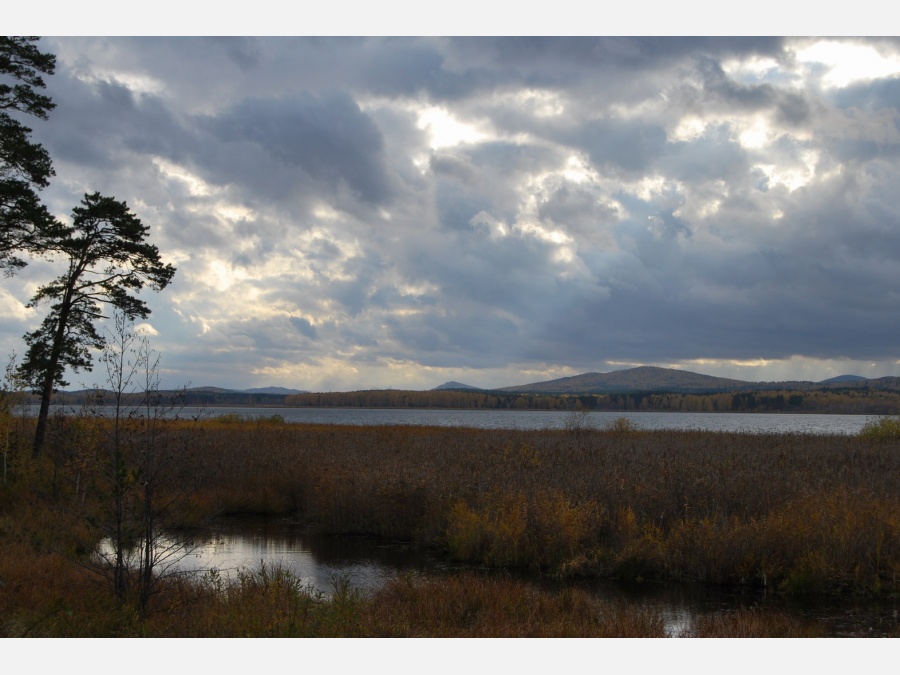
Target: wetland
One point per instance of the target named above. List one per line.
(402, 530)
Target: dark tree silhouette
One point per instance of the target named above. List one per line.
(108, 260)
(25, 167)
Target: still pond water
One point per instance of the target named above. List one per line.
(366, 563)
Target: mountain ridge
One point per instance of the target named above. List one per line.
(641, 379)
(453, 384)
(654, 379)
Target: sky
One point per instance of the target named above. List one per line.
(358, 213)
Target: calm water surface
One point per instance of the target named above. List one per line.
(316, 559)
(368, 562)
(541, 419)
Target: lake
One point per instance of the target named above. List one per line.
(542, 419)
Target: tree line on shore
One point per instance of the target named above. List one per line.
(861, 401)
(849, 401)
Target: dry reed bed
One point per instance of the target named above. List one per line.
(799, 512)
(806, 513)
(270, 602)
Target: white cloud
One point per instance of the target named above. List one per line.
(145, 328)
(493, 212)
(848, 62)
(445, 130)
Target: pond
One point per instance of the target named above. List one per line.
(368, 562)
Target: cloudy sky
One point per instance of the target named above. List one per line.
(372, 213)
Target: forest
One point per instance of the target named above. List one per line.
(848, 401)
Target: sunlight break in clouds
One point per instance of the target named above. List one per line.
(195, 184)
(445, 130)
(374, 212)
(849, 62)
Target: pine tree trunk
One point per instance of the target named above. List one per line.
(41, 431)
(47, 391)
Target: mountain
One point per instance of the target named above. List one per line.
(272, 390)
(260, 390)
(640, 379)
(840, 379)
(454, 385)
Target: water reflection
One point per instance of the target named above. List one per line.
(368, 562)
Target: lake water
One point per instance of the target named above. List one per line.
(541, 419)
(366, 563)
(546, 419)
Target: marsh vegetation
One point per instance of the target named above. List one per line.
(799, 514)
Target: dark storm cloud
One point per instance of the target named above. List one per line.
(720, 86)
(871, 96)
(506, 159)
(457, 207)
(102, 119)
(811, 285)
(245, 52)
(573, 204)
(632, 146)
(412, 68)
(790, 108)
(554, 57)
(483, 179)
(714, 156)
(326, 136)
(489, 204)
(464, 339)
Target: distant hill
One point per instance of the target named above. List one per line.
(881, 383)
(651, 379)
(454, 385)
(841, 379)
(640, 379)
(272, 390)
(282, 391)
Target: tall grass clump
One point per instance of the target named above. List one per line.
(543, 530)
(622, 425)
(753, 623)
(472, 605)
(881, 429)
(266, 601)
(237, 418)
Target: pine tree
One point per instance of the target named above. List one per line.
(108, 259)
(25, 167)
